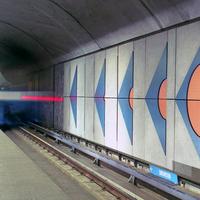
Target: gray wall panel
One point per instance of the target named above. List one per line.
(182, 45)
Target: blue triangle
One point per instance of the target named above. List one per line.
(99, 97)
(152, 98)
(100, 90)
(73, 97)
(159, 75)
(182, 102)
(100, 104)
(127, 85)
(74, 85)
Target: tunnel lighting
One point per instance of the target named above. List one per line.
(42, 98)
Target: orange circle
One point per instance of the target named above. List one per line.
(131, 95)
(193, 103)
(162, 102)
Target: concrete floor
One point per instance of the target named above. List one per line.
(32, 178)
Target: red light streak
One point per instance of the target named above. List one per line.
(42, 98)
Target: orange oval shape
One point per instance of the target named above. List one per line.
(131, 95)
(162, 102)
(193, 100)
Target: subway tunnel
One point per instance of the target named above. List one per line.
(122, 77)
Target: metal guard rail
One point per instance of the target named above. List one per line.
(161, 185)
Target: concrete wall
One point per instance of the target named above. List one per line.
(44, 81)
(141, 98)
(58, 91)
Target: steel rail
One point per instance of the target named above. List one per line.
(163, 186)
(92, 175)
(96, 145)
(126, 158)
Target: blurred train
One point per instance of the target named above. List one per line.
(16, 107)
(12, 112)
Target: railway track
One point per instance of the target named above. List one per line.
(72, 166)
(104, 183)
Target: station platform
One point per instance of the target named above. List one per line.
(22, 179)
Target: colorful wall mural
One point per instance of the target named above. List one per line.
(141, 98)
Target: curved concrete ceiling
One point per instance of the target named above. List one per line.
(48, 31)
